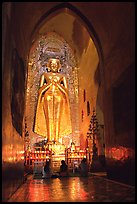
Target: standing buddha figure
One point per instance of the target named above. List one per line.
(52, 119)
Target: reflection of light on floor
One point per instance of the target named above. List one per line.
(45, 191)
(58, 193)
(38, 192)
(83, 194)
(73, 189)
(77, 190)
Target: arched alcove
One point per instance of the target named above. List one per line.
(51, 45)
(85, 59)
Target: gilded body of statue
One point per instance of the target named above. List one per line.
(52, 118)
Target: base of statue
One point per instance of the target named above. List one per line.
(56, 147)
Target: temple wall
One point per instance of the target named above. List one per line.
(13, 86)
(115, 30)
(88, 65)
(119, 115)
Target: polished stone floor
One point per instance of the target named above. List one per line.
(73, 189)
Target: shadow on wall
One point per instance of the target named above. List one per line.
(17, 91)
(122, 171)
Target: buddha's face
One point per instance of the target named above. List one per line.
(54, 65)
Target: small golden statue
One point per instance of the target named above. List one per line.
(52, 118)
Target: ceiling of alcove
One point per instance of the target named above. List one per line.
(71, 29)
(77, 37)
(58, 24)
(102, 16)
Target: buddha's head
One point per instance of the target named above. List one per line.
(54, 65)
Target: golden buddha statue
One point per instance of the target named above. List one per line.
(52, 118)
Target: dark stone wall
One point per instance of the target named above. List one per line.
(123, 94)
(17, 91)
(121, 171)
(119, 114)
(121, 155)
(13, 100)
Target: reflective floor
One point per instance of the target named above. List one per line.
(73, 189)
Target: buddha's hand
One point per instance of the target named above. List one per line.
(54, 81)
(44, 88)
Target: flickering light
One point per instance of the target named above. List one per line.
(120, 153)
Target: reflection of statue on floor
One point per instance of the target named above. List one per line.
(52, 118)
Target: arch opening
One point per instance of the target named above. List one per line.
(81, 65)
